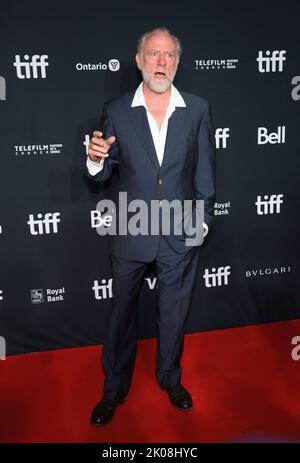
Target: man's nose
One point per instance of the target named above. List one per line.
(161, 59)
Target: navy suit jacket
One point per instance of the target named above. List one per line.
(187, 170)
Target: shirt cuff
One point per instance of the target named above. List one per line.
(94, 167)
(205, 229)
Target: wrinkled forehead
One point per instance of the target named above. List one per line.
(160, 41)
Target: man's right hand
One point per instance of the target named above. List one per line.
(98, 147)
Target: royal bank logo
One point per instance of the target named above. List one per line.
(39, 296)
(31, 68)
(44, 224)
(296, 90)
(221, 136)
(267, 271)
(216, 276)
(222, 208)
(34, 150)
(264, 137)
(2, 89)
(271, 61)
(216, 64)
(269, 205)
(112, 65)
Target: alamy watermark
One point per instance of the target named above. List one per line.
(2, 88)
(137, 217)
(2, 348)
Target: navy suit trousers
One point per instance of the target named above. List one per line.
(176, 274)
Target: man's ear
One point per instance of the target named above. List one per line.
(138, 60)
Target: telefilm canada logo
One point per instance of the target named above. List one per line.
(112, 65)
(39, 296)
(216, 64)
(40, 149)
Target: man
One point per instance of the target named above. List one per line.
(162, 143)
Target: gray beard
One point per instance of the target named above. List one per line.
(156, 87)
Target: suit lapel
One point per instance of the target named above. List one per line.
(140, 123)
(175, 132)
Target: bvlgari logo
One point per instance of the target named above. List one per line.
(268, 271)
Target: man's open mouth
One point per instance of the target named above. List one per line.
(160, 74)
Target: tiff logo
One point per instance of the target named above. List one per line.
(46, 225)
(296, 89)
(31, 68)
(270, 63)
(103, 291)
(273, 137)
(221, 135)
(267, 205)
(2, 348)
(217, 277)
(2, 88)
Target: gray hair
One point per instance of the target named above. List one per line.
(146, 35)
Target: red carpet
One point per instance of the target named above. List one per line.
(244, 383)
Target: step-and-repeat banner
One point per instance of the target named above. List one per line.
(59, 63)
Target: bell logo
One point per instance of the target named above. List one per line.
(274, 137)
(97, 220)
(114, 65)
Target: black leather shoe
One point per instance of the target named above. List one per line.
(180, 397)
(104, 411)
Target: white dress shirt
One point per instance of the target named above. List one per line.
(159, 136)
